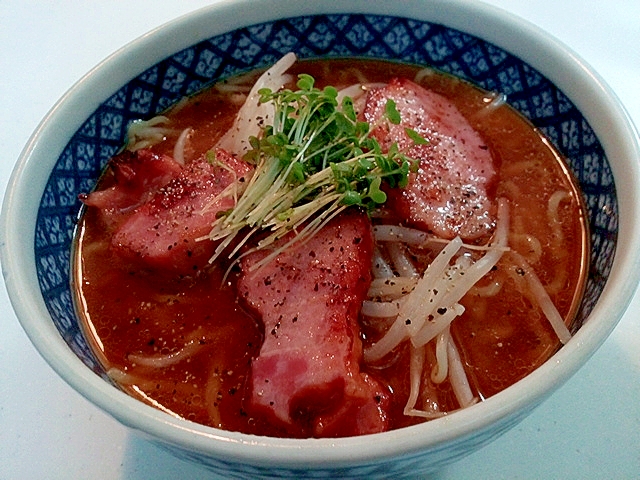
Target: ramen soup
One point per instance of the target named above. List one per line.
(320, 262)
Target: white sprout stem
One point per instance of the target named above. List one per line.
(416, 365)
(406, 235)
(145, 133)
(393, 287)
(421, 302)
(484, 265)
(162, 361)
(303, 236)
(381, 268)
(396, 334)
(354, 92)
(401, 260)
(262, 205)
(228, 191)
(242, 242)
(259, 201)
(543, 299)
(469, 277)
(235, 140)
(226, 241)
(441, 320)
(300, 214)
(380, 309)
(178, 149)
(261, 180)
(233, 190)
(425, 299)
(458, 377)
(357, 90)
(331, 202)
(419, 307)
(121, 377)
(440, 370)
(489, 290)
(413, 412)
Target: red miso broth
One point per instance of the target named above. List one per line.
(185, 343)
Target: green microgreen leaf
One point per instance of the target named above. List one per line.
(348, 108)
(416, 137)
(315, 159)
(305, 82)
(391, 112)
(210, 155)
(377, 195)
(352, 198)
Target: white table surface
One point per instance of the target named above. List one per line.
(590, 428)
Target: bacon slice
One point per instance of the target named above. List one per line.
(307, 376)
(137, 176)
(163, 233)
(449, 194)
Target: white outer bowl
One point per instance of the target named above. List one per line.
(420, 448)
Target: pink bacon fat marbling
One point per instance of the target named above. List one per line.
(163, 232)
(449, 195)
(137, 176)
(307, 375)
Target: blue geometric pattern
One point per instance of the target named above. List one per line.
(366, 36)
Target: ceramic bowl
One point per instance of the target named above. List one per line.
(541, 78)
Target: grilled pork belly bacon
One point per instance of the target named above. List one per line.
(307, 375)
(451, 193)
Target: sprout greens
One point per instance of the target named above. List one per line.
(316, 159)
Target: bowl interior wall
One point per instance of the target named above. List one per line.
(382, 37)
